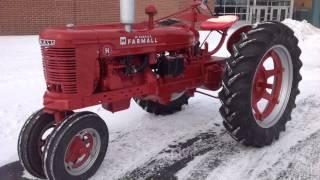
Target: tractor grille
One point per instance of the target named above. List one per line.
(59, 66)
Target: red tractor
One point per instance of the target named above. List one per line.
(160, 64)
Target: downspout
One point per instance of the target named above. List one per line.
(291, 9)
(248, 19)
(254, 15)
(316, 12)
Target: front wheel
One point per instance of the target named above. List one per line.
(76, 148)
(32, 139)
(260, 84)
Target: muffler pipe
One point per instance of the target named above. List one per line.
(127, 13)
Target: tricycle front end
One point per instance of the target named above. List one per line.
(159, 64)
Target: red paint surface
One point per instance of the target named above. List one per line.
(85, 66)
(261, 85)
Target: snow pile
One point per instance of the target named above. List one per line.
(309, 41)
(302, 29)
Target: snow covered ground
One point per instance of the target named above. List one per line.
(191, 144)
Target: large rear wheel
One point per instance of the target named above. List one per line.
(177, 101)
(260, 84)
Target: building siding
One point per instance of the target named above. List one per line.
(20, 17)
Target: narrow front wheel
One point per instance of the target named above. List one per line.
(32, 139)
(76, 148)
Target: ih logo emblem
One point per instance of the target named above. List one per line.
(123, 41)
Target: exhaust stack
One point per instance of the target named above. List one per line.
(127, 13)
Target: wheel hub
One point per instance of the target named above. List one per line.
(261, 85)
(271, 86)
(81, 152)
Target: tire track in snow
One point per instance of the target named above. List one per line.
(211, 150)
(307, 108)
(176, 156)
(201, 169)
(281, 160)
(301, 161)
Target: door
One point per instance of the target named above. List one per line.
(259, 14)
(279, 13)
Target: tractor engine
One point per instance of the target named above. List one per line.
(170, 65)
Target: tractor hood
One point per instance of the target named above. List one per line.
(113, 40)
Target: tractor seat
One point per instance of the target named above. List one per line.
(219, 23)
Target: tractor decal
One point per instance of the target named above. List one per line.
(147, 39)
(47, 42)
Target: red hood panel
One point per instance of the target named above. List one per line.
(117, 41)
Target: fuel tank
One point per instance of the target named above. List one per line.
(113, 40)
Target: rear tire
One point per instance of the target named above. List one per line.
(163, 109)
(241, 118)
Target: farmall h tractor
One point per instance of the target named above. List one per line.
(160, 64)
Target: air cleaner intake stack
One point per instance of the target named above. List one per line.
(127, 13)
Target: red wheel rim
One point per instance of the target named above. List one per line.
(79, 150)
(262, 89)
(82, 151)
(46, 131)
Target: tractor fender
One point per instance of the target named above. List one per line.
(236, 36)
